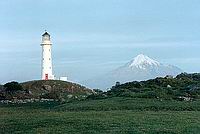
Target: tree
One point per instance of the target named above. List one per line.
(117, 83)
(12, 87)
(98, 91)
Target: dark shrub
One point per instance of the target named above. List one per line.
(12, 87)
(97, 91)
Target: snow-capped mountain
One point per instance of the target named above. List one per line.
(140, 68)
(142, 62)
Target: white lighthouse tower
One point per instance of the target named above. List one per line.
(46, 57)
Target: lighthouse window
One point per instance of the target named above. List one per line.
(49, 59)
(49, 50)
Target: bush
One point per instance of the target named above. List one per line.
(12, 87)
(97, 91)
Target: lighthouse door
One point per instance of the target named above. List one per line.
(46, 76)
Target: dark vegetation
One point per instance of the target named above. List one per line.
(127, 103)
(13, 90)
(162, 105)
(183, 87)
(12, 87)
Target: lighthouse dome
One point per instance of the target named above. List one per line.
(46, 34)
(46, 39)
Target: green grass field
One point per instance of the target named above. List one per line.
(109, 116)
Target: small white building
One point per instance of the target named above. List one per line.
(47, 73)
(63, 78)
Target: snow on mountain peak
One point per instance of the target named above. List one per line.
(142, 61)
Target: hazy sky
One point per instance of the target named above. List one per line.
(91, 37)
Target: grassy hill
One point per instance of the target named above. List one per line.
(152, 106)
(48, 89)
(43, 86)
(56, 89)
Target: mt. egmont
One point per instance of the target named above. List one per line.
(140, 68)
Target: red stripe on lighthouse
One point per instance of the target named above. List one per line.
(46, 76)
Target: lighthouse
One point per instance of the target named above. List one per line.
(47, 70)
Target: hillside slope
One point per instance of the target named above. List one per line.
(47, 89)
(182, 87)
(41, 87)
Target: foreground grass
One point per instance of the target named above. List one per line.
(127, 103)
(50, 118)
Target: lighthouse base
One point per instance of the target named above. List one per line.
(48, 77)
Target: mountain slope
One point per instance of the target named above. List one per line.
(140, 68)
